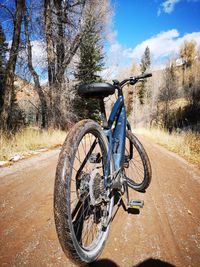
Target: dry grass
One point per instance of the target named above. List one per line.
(186, 144)
(29, 139)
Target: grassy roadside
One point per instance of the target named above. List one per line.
(29, 139)
(186, 144)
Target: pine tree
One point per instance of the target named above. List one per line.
(3, 50)
(91, 62)
(144, 66)
(146, 60)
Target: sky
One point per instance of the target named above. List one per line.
(162, 25)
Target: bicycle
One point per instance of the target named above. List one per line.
(92, 170)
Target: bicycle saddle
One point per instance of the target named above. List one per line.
(96, 90)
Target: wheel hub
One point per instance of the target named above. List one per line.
(96, 187)
(93, 185)
(83, 187)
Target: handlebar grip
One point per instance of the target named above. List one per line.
(146, 75)
(133, 80)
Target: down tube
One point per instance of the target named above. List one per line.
(119, 136)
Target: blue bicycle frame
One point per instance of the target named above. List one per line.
(116, 136)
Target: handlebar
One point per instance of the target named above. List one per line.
(132, 80)
(143, 76)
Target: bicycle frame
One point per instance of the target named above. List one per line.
(116, 136)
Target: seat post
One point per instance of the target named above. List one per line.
(103, 113)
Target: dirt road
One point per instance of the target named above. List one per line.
(167, 230)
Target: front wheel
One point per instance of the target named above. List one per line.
(137, 165)
(80, 212)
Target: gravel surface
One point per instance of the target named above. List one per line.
(165, 233)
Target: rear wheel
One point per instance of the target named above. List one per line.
(137, 165)
(82, 215)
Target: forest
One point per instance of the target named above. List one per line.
(55, 45)
(171, 99)
(71, 36)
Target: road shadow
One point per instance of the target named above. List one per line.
(103, 263)
(154, 263)
(147, 263)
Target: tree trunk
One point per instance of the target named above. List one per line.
(10, 68)
(50, 56)
(166, 114)
(34, 73)
(61, 47)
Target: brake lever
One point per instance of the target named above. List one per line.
(115, 82)
(133, 81)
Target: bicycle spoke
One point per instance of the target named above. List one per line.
(86, 218)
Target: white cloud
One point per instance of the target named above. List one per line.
(111, 36)
(163, 45)
(168, 6)
(110, 73)
(115, 54)
(39, 54)
(39, 60)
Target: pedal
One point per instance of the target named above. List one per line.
(136, 204)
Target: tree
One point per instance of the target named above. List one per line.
(146, 60)
(190, 67)
(27, 18)
(63, 20)
(188, 53)
(16, 115)
(144, 66)
(11, 64)
(3, 50)
(91, 62)
(130, 95)
(168, 93)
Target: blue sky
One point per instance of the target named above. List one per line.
(163, 25)
(137, 20)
